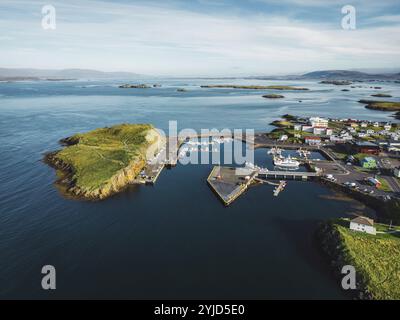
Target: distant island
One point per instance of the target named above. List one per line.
(337, 82)
(383, 106)
(273, 96)
(99, 163)
(253, 87)
(134, 86)
(381, 95)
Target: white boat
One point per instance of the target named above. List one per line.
(303, 153)
(275, 151)
(287, 163)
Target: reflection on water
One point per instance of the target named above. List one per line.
(172, 240)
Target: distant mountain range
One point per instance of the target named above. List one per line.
(348, 75)
(48, 74)
(335, 75)
(10, 74)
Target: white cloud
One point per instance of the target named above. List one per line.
(164, 40)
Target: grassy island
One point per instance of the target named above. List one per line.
(381, 105)
(96, 164)
(253, 87)
(381, 95)
(273, 96)
(337, 82)
(375, 257)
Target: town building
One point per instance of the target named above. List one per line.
(396, 172)
(366, 147)
(368, 163)
(319, 130)
(297, 127)
(307, 128)
(319, 122)
(311, 140)
(363, 224)
(387, 126)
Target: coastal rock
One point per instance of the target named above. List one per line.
(273, 96)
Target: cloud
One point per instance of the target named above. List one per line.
(157, 38)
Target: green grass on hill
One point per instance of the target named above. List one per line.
(375, 258)
(99, 154)
(381, 105)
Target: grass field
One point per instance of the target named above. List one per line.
(375, 258)
(99, 154)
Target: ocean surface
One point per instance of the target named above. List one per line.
(174, 239)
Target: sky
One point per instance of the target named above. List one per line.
(200, 37)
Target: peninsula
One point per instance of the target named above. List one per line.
(99, 163)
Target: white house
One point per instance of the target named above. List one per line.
(376, 124)
(329, 132)
(319, 122)
(319, 130)
(297, 127)
(363, 224)
(283, 137)
(364, 124)
(387, 126)
(307, 128)
(396, 172)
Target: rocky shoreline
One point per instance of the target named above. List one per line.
(67, 184)
(102, 162)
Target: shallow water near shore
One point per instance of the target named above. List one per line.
(174, 239)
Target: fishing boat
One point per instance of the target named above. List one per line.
(286, 163)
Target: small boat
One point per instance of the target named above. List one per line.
(274, 151)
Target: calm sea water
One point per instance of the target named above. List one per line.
(175, 239)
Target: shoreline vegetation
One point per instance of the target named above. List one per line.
(253, 87)
(374, 257)
(99, 163)
(390, 106)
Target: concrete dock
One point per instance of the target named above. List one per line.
(229, 183)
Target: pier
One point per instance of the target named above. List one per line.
(286, 175)
(229, 183)
(279, 188)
